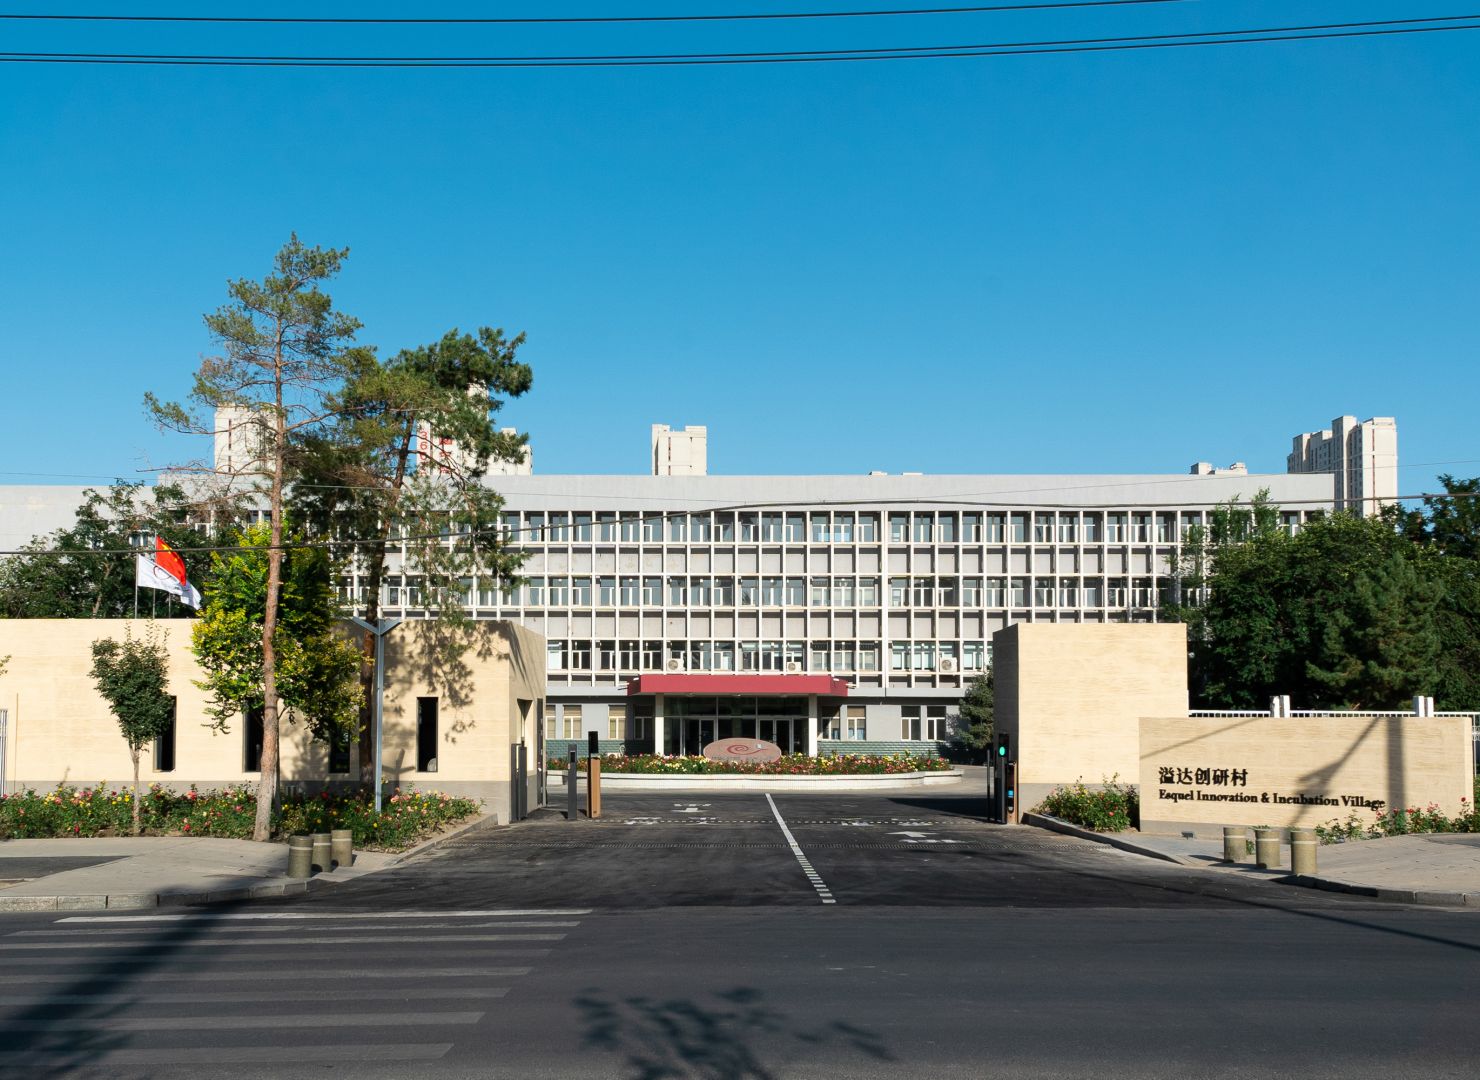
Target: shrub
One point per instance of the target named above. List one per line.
(230, 813)
(1111, 808)
(786, 765)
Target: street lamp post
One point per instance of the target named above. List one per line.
(379, 630)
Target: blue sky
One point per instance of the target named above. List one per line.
(1114, 262)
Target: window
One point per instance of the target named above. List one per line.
(899, 528)
(924, 528)
(750, 591)
(946, 527)
(996, 528)
(796, 528)
(770, 592)
(606, 526)
(844, 592)
(652, 591)
(842, 656)
(724, 592)
(819, 655)
(339, 753)
(899, 592)
(796, 592)
(1043, 592)
(749, 529)
(899, 656)
(842, 530)
(554, 656)
(652, 655)
(971, 592)
(560, 528)
(1068, 592)
(570, 722)
(1019, 595)
(629, 656)
(606, 591)
(582, 531)
(534, 526)
(922, 592)
(580, 592)
(631, 528)
(909, 722)
(652, 528)
(724, 656)
(857, 724)
(924, 656)
(699, 591)
(724, 527)
(164, 744)
(1094, 528)
(949, 593)
(868, 528)
(426, 734)
(699, 530)
(868, 592)
(931, 726)
(252, 740)
(868, 656)
(534, 592)
(971, 528)
(821, 592)
(1068, 528)
(1115, 528)
(829, 722)
(678, 594)
(606, 652)
(971, 656)
(1019, 528)
(935, 722)
(1043, 528)
(614, 723)
(994, 593)
(771, 527)
(559, 592)
(821, 530)
(580, 655)
(678, 528)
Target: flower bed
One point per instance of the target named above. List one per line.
(787, 765)
(1112, 808)
(1401, 821)
(230, 812)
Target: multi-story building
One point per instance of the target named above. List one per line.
(1360, 455)
(820, 612)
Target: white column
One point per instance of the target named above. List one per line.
(658, 724)
(812, 725)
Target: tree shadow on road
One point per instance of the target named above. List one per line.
(683, 1038)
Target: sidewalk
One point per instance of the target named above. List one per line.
(1434, 868)
(147, 871)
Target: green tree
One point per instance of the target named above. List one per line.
(1343, 613)
(87, 571)
(133, 677)
(285, 351)
(1449, 523)
(404, 464)
(318, 672)
(974, 722)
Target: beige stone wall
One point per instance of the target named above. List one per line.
(1302, 770)
(60, 730)
(1071, 696)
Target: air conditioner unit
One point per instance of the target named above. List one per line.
(947, 665)
(792, 666)
(673, 664)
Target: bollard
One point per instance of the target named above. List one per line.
(572, 799)
(342, 847)
(1235, 843)
(300, 856)
(1303, 852)
(1267, 848)
(323, 858)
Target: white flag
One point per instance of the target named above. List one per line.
(148, 574)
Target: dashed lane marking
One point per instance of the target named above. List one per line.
(812, 876)
(238, 916)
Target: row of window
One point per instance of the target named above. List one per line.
(917, 722)
(782, 656)
(795, 592)
(823, 527)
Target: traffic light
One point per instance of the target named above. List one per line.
(1004, 743)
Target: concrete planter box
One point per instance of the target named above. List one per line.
(750, 782)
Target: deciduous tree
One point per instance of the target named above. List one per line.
(133, 677)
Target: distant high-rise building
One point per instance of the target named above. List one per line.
(1360, 455)
(680, 453)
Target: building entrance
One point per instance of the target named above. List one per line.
(693, 722)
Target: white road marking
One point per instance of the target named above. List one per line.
(333, 1054)
(428, 914)
(214, 975)
(248, 1023)
(248, 942)
(796, 849)
(276, 929)
(131, 995)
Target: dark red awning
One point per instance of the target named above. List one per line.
(758, 685)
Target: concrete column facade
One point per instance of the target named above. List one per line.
(811, 725)
(658, 724)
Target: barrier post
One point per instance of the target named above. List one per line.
(593, 776)
(1303, 852)
(1235, 843)
(572, 795)
(300, 856)
(1267, 848)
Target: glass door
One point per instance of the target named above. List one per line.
(776, 729)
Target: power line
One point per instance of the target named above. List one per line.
(975, 9)
(1263, 35)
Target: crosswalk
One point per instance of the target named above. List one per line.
(167, 994)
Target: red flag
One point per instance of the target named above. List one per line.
(168, 559)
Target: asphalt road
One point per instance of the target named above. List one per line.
(744, 937)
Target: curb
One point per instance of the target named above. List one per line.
(1421, 897)
(1053, 824)
(483, 821)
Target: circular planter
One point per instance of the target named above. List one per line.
(836, 782)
